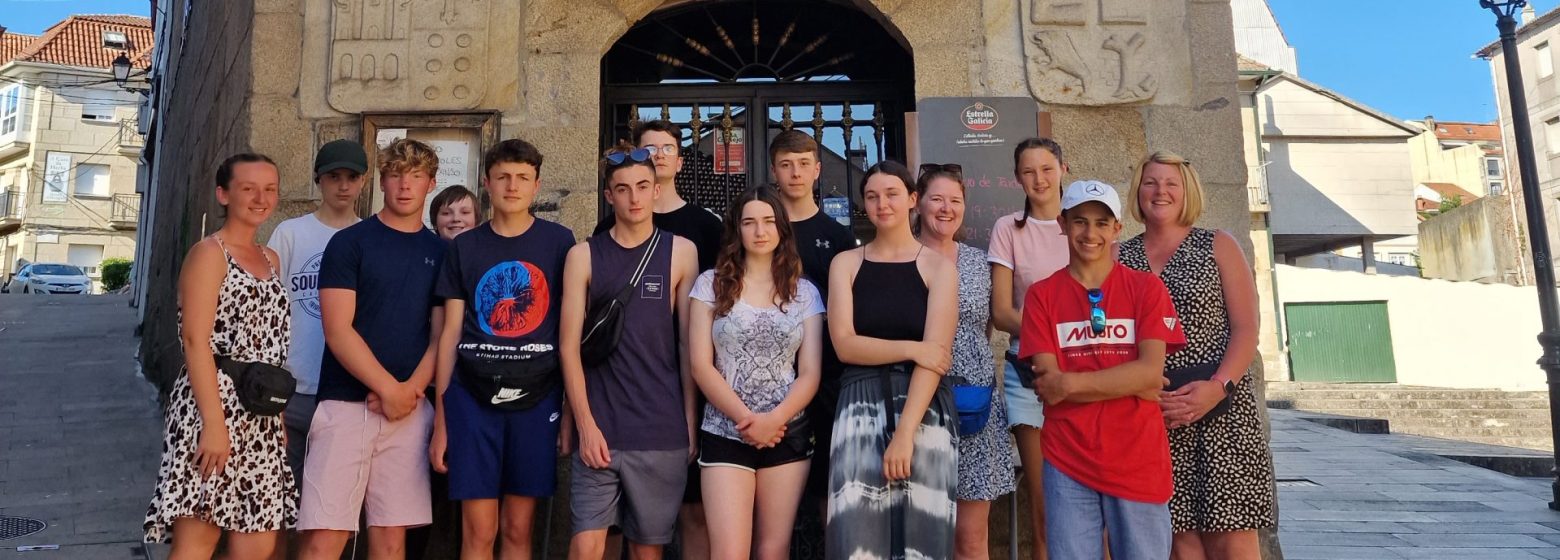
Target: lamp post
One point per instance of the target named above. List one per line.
(1538, 231)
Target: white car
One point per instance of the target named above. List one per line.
(50, 278)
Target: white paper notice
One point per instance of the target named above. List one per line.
(388, 135)
(454, 163)
(56, 175)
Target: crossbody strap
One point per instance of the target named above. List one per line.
(644, 262)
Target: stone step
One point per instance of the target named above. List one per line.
(1409, 394)
(1405, 421)
(1540, 414)
(1541, 443)
(1309, 403)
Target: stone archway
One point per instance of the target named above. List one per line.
(563, 42)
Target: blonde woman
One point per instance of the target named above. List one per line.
(1222, 470)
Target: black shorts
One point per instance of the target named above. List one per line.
(717, 451)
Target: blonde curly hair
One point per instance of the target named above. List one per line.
(405, 155)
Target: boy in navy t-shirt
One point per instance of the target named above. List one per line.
(368, 443)
(502, 286)
(1096, 334)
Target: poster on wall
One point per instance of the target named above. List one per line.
(979, 134)
(56, 177)
(731, 153)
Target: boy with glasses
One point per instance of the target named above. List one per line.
(1096, 334)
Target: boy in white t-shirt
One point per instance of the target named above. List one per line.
(300, 243)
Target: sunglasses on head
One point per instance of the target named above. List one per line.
(1096, 314)
(948, 167)
(638, 155)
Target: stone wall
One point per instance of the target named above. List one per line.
(203, 116)
(1477, 242)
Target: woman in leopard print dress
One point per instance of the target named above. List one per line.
(224, 469)
(1222, 469)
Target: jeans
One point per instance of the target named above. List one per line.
(1076, 515)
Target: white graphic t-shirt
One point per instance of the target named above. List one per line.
(755, 349)
(300, 244)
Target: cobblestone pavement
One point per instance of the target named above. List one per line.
(80, 435)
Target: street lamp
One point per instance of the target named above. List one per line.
(1538, 230)
(121, 67)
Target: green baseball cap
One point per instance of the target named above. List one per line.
(340, 154)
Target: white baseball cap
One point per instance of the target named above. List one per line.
(1090, 190)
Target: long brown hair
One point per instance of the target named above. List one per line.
(1046, 144)
(729, 265)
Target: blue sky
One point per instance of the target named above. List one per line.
(1409, 58)
(34, 16)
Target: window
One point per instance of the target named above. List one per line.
(86, 257)
(1496, 187)
(92, 180)
(1552, 134)
(10, 109)
(115, 40)
(96, 105)
(1405, 259)
(1546, 63)
(1492, 168)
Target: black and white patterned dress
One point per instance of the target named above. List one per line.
(985, 457)
(868, 516)
(1223, 472)
(256, 491)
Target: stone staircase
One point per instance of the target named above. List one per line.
(1488, 416)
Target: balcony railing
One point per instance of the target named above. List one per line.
(130, 139)
(10, 205)
(125, 211)
(1257, 188)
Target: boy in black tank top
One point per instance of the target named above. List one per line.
(633, 455)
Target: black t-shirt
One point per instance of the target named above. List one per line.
(691, 222)
(511, 287)
(392, 273)
(818, 239)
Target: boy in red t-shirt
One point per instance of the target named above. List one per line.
(1097, 334)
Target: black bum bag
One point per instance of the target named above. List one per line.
(510, 384)
(263, 389)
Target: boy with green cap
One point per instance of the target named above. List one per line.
(300, 242)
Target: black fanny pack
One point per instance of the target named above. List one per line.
(263, 389)
(1180, 377)
(510, 384)
(1026, 373)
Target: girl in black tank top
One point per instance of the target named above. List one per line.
(894, 427)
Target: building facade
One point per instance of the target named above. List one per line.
(69, 143)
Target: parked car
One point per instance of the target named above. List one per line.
(50, 278)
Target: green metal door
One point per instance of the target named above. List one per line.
(1340, 342)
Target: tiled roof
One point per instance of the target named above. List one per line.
(1448, 190)
(1472, 132)
(78, 41)
(11, 44)
(1243, 64)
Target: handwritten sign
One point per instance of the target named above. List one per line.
(978, 133)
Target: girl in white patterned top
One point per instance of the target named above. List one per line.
(755, 337)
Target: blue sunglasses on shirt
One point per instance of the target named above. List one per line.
(1096, 314)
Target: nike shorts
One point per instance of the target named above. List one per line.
(494, 452)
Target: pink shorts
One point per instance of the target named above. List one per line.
(356, 455)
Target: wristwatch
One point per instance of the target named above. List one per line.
(1229, 387)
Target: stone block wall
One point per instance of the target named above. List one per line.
(203, 117)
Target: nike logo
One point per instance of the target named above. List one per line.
(553, 418)
(506, 395)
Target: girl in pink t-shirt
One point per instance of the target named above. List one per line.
(1027, 247)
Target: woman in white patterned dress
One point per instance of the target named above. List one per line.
(224, 470)
(986, 456)
(755, 337)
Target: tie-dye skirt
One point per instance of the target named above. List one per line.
(869, 517)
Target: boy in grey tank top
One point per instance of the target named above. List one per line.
(633, 453)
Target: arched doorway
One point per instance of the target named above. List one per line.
(734, 73)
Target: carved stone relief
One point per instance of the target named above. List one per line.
(392, 55)
(1091, 52)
